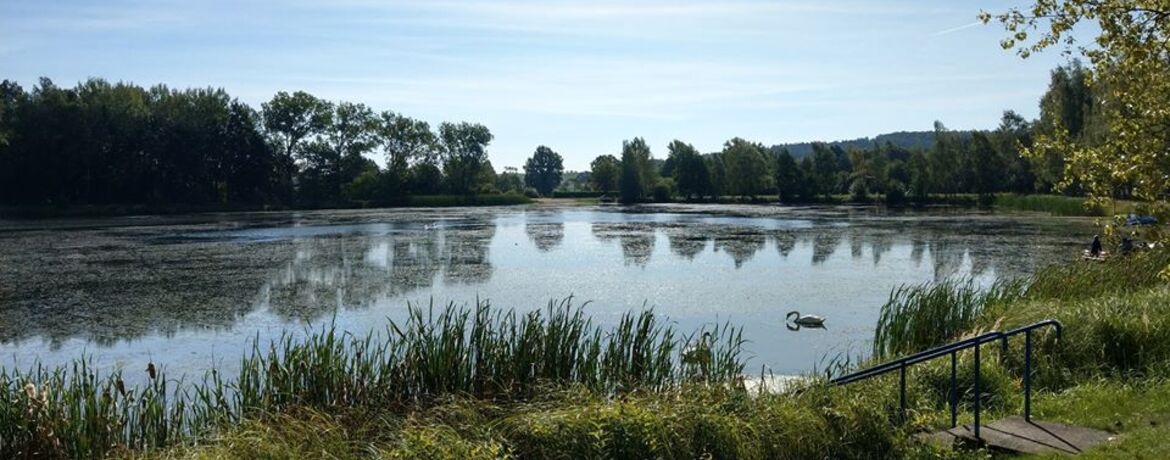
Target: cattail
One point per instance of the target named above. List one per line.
(121, 386)
(150, 370)
(31, 391)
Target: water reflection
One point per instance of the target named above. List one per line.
(742, 245)
(824, 244)
(546, 236)
(785, 243)
(685, 242)
(354, 272)
(636, 239)
(103, 286)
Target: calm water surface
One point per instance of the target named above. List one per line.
(190, 291)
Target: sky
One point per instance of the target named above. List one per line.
(577, 76)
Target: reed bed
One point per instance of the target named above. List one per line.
(1057, 205)
(480, 352)
(917, 317)
(1117, 275)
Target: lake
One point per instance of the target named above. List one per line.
(191, 291)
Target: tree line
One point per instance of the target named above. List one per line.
(117, 143)
(103, 143)
(982, 162)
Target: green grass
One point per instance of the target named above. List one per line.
(480, 352)
(482, 382)
(923, 316)
(1059, 205)
(1108, 370)
(1053, 204)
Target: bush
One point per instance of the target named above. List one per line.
(895, 193)
(858, 191)
(663, 190)
(531, 193)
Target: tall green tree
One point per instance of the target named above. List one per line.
(290, 119)
(824, 164)
(789, 177)
(1011, 138)
(338, 157)
(986, 168)
(464, 155)
(718, 173)
(605, 172)
(1130, 60)
(691, 177)
(543, 171)
(920, 176)
(637, 173)
(405, 141)
(747, 172)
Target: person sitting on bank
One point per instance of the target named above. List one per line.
(1095, 248)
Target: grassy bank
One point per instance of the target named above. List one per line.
(1109, 370)
(485, 383)
(1056, 205)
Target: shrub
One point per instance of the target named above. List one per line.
(663, 190)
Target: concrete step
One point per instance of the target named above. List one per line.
(1016, 435)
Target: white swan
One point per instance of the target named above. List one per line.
(805, 320)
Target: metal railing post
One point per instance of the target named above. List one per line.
(953, 349)
(902, 390)
(954, 389)
(978, 396)
(1028, 375)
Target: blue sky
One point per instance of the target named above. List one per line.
(578, 76)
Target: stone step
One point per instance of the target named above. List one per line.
(1014, 434)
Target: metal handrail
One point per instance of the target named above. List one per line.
(953, 349)
(1027, 331)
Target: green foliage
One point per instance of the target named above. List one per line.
(509, 182)
(823, 170)
(689, 170)
(637, 172)
(790, 179)
(1054, 204)
(921, 316)
(369, 186)
(747, 172)
(859, 191)
(606, 169)
(663, 190)
(291, 118)
(479, 352)
(464, 155)
(544, 170)
(120, 146)
(1129, 82)
(985, 168)
(405, 141)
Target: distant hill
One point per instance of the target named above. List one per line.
(906, 139)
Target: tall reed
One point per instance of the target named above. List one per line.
(479, 352)
(921, 316)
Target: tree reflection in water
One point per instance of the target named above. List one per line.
(348, 271)
(545, 236)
